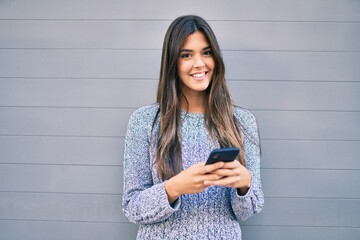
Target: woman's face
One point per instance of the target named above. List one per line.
(196, 65)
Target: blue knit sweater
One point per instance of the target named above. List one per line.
(212, 214)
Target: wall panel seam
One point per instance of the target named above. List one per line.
(127, 222)
(120, 195)
(171, 19)
(158, 49)
(156, 79)
(134, 108)
(122, 136)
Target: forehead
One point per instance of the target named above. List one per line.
(196, 40)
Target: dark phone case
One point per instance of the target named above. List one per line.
(222, 155)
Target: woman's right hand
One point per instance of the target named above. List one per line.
(191, 180)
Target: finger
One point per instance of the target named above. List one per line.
(198, 168)
(212, 167)
(200, 178)
(211, 177)
(227, 172)
(232, 164)
(225, 182)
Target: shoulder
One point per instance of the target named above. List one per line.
(144, 115)
(244, 116)
(141, 121)
(248, 123)
(145, 112)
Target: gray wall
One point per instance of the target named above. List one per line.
(71, 73)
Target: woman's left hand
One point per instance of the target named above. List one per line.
(233, 175)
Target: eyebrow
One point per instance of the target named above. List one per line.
(189, 50)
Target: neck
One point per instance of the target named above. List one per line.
(194, 104)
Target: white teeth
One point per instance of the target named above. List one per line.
(199, 75)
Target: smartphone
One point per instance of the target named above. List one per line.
(222, 155)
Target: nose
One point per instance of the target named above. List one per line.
(198, 62)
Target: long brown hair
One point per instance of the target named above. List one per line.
(219, 110)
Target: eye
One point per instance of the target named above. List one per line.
(185, 55)
(207, 53)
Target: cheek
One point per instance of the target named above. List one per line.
(184, 68)
(211, 64)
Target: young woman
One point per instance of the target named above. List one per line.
(168, 189)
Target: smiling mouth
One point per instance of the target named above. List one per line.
(199, 76)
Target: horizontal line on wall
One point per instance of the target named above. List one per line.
(150, 49)
(134, 108)
(120, 195)
(123, 137)
(287, 21)
(170, 20)
(60, 136)
(61, 164)
(282, 81)
(303, 110)
(289, 51)
(127, 222)
(89, 136)
(61, 221)
(310, 169)
(81, 78)
(307, 140)
(310, 140)
(301, 226)
(69, 107)
(156, 79)
(62, 193)
(311, 198)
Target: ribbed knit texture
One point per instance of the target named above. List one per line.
(212, 214)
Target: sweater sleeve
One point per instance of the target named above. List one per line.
(252, 202)
(143, 201)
